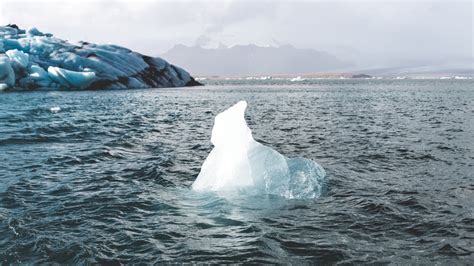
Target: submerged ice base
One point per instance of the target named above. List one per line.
(238, 162)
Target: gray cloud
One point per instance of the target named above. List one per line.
(237, 12)
(372, 33)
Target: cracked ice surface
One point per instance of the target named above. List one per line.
(32, 59)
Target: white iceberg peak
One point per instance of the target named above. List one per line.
(231, 124)
(239, 162)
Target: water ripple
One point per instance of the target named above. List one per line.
(106, 179)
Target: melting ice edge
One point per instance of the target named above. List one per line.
(238, 162)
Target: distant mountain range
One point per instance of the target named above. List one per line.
(241, 60)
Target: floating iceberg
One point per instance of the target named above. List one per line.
(298, 78)
(238, 162)
(32, 59)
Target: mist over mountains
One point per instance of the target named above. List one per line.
(240, 60)
(253, 60)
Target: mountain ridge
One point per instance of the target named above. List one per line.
(252, 59)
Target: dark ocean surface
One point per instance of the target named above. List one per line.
(107, 177)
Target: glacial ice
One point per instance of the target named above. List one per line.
(19, 60)
(38, 76)
(40, 60)
(71, 79)
(7, 75)
(238, 162)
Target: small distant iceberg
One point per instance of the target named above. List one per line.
(298, 78)
(258, 78)
(239, 163)
(461, 77)
(31, 59)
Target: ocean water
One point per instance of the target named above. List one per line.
(105, 178)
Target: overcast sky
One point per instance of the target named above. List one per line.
(382, 33)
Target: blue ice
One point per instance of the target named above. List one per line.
(238, 162)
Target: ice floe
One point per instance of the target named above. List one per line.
(238, 162)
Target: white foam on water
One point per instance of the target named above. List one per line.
(55, 109)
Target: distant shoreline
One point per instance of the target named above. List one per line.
(341, 76)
